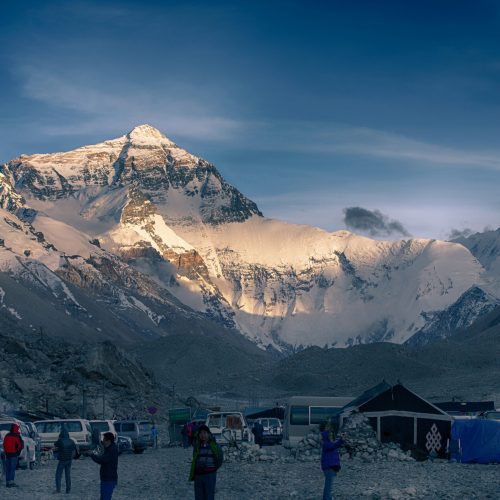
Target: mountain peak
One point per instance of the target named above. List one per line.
(146, 134)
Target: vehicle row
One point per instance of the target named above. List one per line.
(87, 434)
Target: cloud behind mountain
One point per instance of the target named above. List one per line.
(373, 222)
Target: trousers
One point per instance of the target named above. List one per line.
(204, 486)
(63, 465)
(327, 490)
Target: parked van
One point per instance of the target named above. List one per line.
(303, 413)
(227, 426)
(138, 431)
(28, 456)
(79, 430)
(103, 426)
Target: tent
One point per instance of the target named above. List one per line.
(399, 415)
(478, 439)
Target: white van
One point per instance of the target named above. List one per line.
(79, 430)
(103, 426)
(228, 426)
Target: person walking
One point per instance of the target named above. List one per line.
(330, 458)
(207, 458)
(12, 447)
(109, 466)
(66, 449)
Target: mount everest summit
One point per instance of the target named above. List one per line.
(137, 238)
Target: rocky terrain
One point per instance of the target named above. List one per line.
(46, 377)
(162, 474)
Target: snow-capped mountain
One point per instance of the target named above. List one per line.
(486, 248)
(141, 209)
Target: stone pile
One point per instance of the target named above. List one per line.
(249, 452)
(362, 443)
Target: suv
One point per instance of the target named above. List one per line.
(273, 430)
(28, 456)
(228, 426)
(103, 426)
(79, 430)
(138, 431)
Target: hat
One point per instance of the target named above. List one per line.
(203, 427)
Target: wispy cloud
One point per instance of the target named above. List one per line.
(105, 110)
(186, 110)
(316, 137)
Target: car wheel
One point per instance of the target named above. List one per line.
(32, 465)
(138, 451)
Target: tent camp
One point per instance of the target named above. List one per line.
(477, 441)
(399, 415)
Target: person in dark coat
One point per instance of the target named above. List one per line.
(258, 432)
(207, 458)
(66, 449)
(109, 466)
(330, 458)
(12, 447)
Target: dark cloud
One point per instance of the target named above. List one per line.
(455, 234)
(375, 223)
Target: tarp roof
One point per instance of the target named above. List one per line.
(479, 441)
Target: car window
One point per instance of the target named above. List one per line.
(299, 415)
(5, 426)
(144, 427)
(321, 414)
(100, 426)
(128, 427)
(55, 426)
(214, 421)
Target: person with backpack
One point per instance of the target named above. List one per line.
(330, 458)
(65, 448)
(109, 466)
(12, 447)
(207, 459)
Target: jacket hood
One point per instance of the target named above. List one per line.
(15, 428)
(64, 433)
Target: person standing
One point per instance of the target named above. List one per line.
(330, 459)
(154, 436)
(109, 466)
(66, 449)
(258, 432)
(207, 458)
(12, 447)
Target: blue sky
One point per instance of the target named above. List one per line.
(309, 108)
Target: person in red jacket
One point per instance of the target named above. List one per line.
(12, 446)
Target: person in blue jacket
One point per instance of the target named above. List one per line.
(330, 458)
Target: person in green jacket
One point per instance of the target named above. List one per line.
(65, 448)
(207, 458)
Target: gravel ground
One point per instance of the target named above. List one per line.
(162, 474)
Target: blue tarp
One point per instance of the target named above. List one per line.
(479, 441)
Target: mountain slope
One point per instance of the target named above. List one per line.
(139, 215)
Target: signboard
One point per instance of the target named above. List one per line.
(179, 415)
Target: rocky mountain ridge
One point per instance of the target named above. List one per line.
(159, 230)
